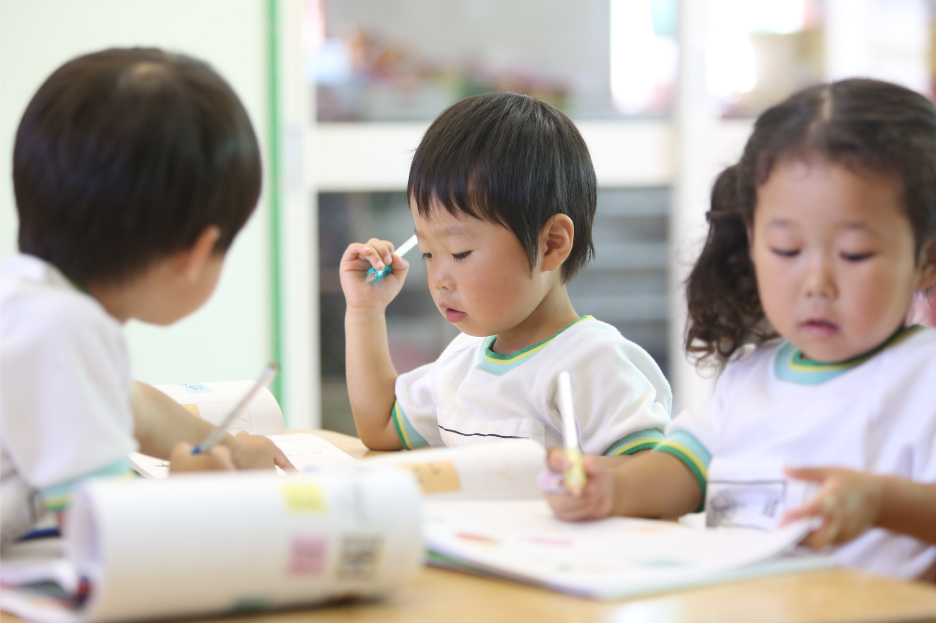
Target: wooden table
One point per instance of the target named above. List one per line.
(449, 597)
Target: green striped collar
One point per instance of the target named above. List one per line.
(792, 366)
(498, 364)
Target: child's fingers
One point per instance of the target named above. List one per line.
(811, 508)
(567, 508)
(377, 253)
(221, 458)
(280, 460)
(383, 250)
(557, 461)
(824, 535)
(591, 466)
(812, 474)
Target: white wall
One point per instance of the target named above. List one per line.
(230, 337)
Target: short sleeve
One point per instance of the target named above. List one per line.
(65, 396)
(414, 410)
(692, 435)
(622, 400)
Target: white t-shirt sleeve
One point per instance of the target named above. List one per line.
(65, 399)
(622, 400)
(414, 411)
(692, 436)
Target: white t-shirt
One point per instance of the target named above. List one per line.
(64, 401)
(470, 394)
(773, 408)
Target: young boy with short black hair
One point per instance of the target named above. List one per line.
(133, 170)
(502, 192)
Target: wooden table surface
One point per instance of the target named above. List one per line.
(437, 595)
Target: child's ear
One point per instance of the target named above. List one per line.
(191, 261)
(556, 241)
(927, 266)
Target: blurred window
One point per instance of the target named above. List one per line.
(758, 53)
(405, 60)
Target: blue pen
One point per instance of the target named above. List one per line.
(377, 275)
(217, 434)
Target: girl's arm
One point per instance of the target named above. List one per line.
(851, 502)
(370, 372)
(160, 423)
(649, 484)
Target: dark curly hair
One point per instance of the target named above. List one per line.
(859, 123)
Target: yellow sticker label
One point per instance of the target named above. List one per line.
(192, 408)
(435, 476)
(304, 497)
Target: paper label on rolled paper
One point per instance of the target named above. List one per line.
(359, 557)
(435, 476)
(304, 497)
(308, 555)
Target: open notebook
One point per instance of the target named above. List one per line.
(484, 514)
(219, 543)
(262, 416)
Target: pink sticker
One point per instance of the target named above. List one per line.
(308, 555)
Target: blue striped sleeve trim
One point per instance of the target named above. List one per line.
(692, 453)
(637, 441)
(409, 436)
(57, 497)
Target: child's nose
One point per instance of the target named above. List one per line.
(440, 278)
(820, 280)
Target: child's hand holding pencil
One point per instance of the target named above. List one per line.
(577, 487)
(596, 499)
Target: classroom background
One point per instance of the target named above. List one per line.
(340, 92)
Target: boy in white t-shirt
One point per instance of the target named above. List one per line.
(503, 193)
(133, 171)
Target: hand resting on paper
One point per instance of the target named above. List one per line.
(850, 502)
(250, 452)
(258, 452)
(182, 460)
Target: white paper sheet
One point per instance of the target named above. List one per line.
(304, 450)
(498, 470)
(224, 543)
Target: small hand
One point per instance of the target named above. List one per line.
(597, 497)
(182, 459)
(848, 502)
(258, 452)
(358, 258)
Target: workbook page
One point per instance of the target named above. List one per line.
(304, 450)
(213, 401)
(611, 558)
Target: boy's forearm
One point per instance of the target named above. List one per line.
(909, 508)
(654, 485)
(371, 378)
(160, 422)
